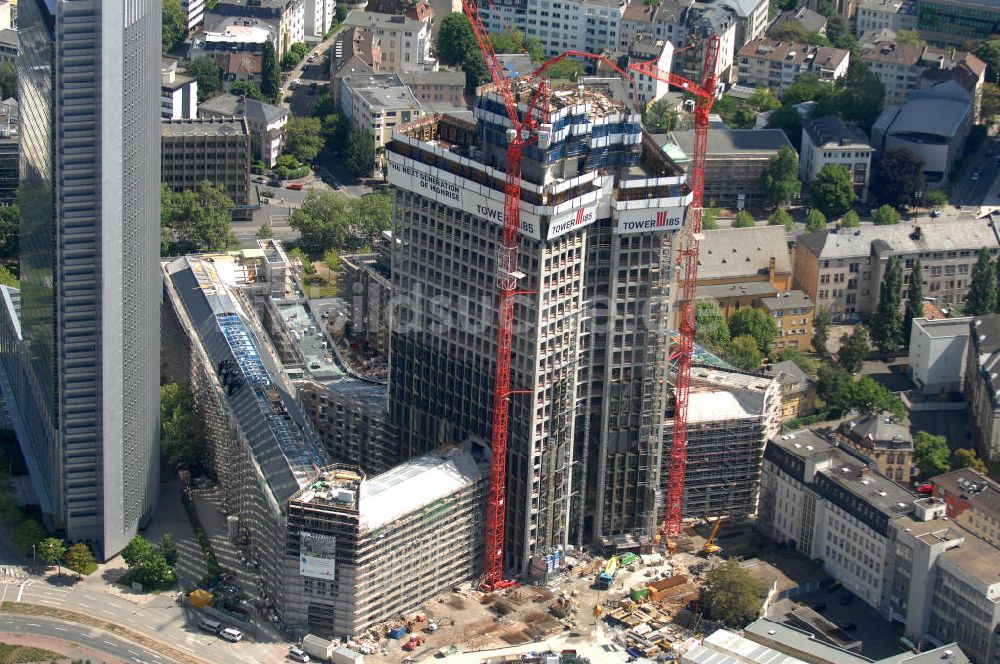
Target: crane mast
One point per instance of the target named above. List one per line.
(674, 501)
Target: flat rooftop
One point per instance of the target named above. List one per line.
(942, 328)
(746, 289)
(792, 299)
(974, 555)
(717, 394)
(204, 127)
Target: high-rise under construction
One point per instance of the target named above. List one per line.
(601, 207)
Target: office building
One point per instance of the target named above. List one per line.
(841, 270)
(958, 21)
(937, 354)
(372, 548)
(982, 389)
(264, 120)
(830, 140)
(283, 21)
(592, 391)
(82, 386)
(10, 151)
(735, 164)
(798, 390)
(178, 93)
(212, 149)
(776, 65)
(378, 103)
(973, 500)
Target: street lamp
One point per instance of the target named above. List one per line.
(33, 563)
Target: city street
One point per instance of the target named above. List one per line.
(76, 640)
(984, 190)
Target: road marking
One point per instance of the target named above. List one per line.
(50, 601)
(86, 605)
(21, 590)
(184, 648)
(61, 629)
(137, 654)
(110, 613)
(32, 624)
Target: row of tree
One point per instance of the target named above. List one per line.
(76, 557)
(196, 220)
(152, 566)
(933, 456)
(328, 219)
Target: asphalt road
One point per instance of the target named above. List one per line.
(95, 639)
(984, 190)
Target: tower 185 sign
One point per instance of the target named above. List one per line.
(650, 220)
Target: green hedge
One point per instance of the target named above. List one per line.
(214, 570)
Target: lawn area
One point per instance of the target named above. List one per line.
(322, 283)
(10, 654)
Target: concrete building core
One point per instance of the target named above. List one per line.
(601, 206)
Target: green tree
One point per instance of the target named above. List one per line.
(885, 215)
(792, 31)
(853, 349)
(300, 256)
(731, 595)
(476, 72)
(989, 52)
(832, 190)
(755, 323)
(899, 178)
(197, 220)
(566, 70)
(323, 220)
(821, 331)
(332, 260)
(789, 120)
(780, 217)
(935, 198)
(808, 364)
(359, 155)
(660, 117)
(711, 328)
(79, 558)
(304, 138)
(870, 398)
(781, 178)
(246, 89)
(505, 42)
(982, 296)
(914, 300)
(709, 217)
(209, 78)
(371, 214)
(815, 221)
(167, 548)
(10, 231)
(8, 80)
(963, 458)
(455, 40)
(290, 59)
(28, 533)
(989, 106)
(264, 232)
(887, 332)
(744, 220)
(51, 550)
(153, 572)
(807, 87)
(182, 429)
(270, 81)
(850, 220)
(174, 27)
(137, 550)
(930, 454)
(860, 95)
(909, 37)
(763, 99)
(744, 354)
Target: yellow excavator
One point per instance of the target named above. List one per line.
(710, 548)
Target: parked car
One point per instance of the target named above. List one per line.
(231, 634)
(295, 186)
(935, 213)
(297, 655)
(976, 175)
(209, 625)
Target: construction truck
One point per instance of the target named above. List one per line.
(608, 573)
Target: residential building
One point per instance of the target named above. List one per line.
(213, 149)
(798, 390)
(735, 163)
(695, 23)
(932, 126)
(80, 367)
(579, 25)
(809, 20)
(621, 203)
(830, 506)
(830, 140)
(10, 151)
(742, 255)
(636, 21)
(958, 21)
(731, 416)
(944, 584)
(378, 103)
(883, 441)
(876, 15)
(841, 270)
(225, 34)
(284, 20)
(405, 42)
(735, 296)
(793, 311)
(264, 120)
(319, 15)
(973, 500)
(776, 65)
(178, 93)
(195, 12)
(368, 278)
(982, 387)
(751, 20)
(354, 51)
(645, 49)
(937, 354)
(240, 66)
(10, 45)
(371, 548)
(437, 89)
(901, 68)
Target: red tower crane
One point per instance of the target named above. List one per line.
(523, 132)
(689, 269)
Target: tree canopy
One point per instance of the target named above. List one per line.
(209, 77)
(174, 26)
(780, 217)
(182, 428)
(887, 331)
(885, 215)
(989, 52)
(660, 117)
(982, 296)
(359, 154)
(327, 219)
(197, 220)
(850, 220)
(711, 328)
(853, 349)
(815, 221)
(914, 300)
(8, 79)
(832, 190)
(731, 595)
(248, 90)
(860, 94)
(744, 220)
(821, 331)
(757, 324)
(789, 120)
(304, 138)
(743, 353)
(51, 550)
(931, 454)
(793, 31)
(899, 178)
(79, 558)
(505, 42)
(455, 39)
(841, 393)
(10, 231)
(270, 81)
(781, 178)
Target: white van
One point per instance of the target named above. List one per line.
(212, 626)
(230, 634)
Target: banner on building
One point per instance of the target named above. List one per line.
(317, 555)
(650, 220)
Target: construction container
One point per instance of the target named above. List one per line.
(344, 655)
(200, 598)
(397, 632)
(639, 594)
(318, 648)
(628, 558)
